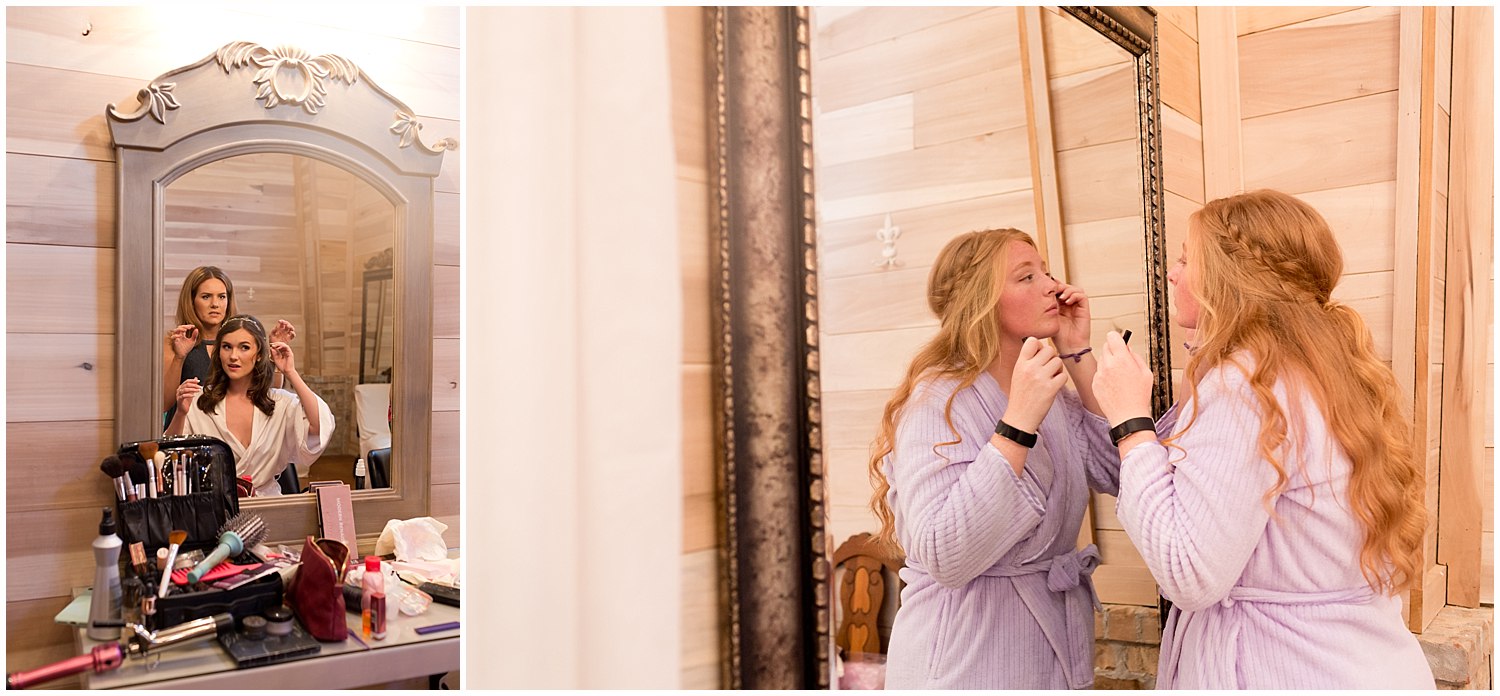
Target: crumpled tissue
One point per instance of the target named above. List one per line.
(419, 548)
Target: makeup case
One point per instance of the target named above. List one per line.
(210, 475)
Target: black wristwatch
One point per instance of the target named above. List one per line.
(1134, 425)
(1014, 434)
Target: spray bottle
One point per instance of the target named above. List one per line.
(104, 606)
(372, 599)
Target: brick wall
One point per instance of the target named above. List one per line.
(1458, 643)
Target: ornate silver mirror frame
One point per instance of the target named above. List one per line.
(776, 557)
(246, 99)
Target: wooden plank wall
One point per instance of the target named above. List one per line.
(60, 258)
(687, 41)
(919, 114)
(1465, 99)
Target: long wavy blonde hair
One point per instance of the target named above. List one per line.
(1274, 263)
(963, 290)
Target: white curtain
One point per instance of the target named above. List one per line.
(572, 352)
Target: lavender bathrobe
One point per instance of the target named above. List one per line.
(997, 594)
(1260, 603)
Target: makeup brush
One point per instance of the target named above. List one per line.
(148, 452)
(138, 471)
(115, 469)
(241, 531)
(176, 538)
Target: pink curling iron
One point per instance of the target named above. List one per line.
(102, 658)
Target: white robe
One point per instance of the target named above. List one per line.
(275, 440)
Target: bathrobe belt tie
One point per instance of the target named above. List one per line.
(1066, 572)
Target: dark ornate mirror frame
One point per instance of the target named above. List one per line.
(1135, 30)
(775, 557)
(245, 99)
(776, 566)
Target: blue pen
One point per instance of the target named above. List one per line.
(450, 626)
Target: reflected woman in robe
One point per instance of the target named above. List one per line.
(982, 470)
(206, 299)
(1283, 516)
(268, 429)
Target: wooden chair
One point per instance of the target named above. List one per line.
(862, 593)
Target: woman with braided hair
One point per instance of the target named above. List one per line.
(982, 470)
(1284, 513)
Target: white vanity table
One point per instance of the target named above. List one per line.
(355, 662)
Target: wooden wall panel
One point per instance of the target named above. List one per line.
(1218, 68)
(51, 200)
(928, 56)
(1182, 154)
(1100, 182)
(701, 620)
(50, 465)
(872, 129)
(1094, 107)
(1183, 17)
(1331, 145)
(850, 247)
(967, 107)
(69, 290)
(982, 166)
(59, 377)
(1333, 58)
(872, 302)
(1254, 19)
(445, 460)
(870, 360)
(1107, 257)
(701, 623)
(699, 483)
(1363, 218)
(840, 30)
(1180, 79)
(1469, 252)
(445, 237)
(1072, 47)
(692, 211)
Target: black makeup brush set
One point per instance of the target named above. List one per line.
(177, 496)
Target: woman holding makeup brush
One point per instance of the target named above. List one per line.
(205, 300)
(265, 427)
(982, 470)
(1283, 516)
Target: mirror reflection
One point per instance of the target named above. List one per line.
(1041, 135)
(306, 248)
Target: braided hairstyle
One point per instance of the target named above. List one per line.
(1267, 265)
(963, 290)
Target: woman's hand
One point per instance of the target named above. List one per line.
(187, 392)
(283, 332)
(182, 339)
(281, 356)
(1073, 310)
(1122, 383)
(1037, 377)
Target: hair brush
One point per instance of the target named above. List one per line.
(239, 533)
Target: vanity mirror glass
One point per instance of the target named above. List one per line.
(852, 143)
(311, 243)
(295, 174)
